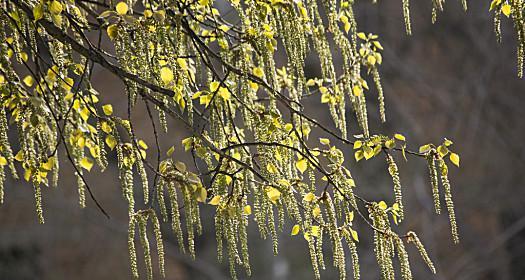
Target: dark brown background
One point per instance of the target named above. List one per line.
(450, 80)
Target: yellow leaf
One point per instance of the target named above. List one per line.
(309, 197)
(122, 8)
(356, 90)
(325, 98)
(182, 63)
(400, 137)
(3, 161)
(108, 109)
(301, 165)
(49, 164)
(214, 86)
(296, 229)
(271, 168)
(224, 93)
(274, 194)
(29, 81)
(454, 158)
(354, 235)
(202, 194)
(215, 200)
(371, 60)
(86, 163)
(111, 141)
(424, 148)
(170, 151)
(351, 216)
(257, 71)
(166, 75)
(361, 35)
(382, 205)
(316, 212)
(358, 155)
(55, 7)
(395, 206)
(19, 156)
(106, 127)
(310, 83)
(247, 210)
(38, 12)
(112, 31)
(324, 141)
(391, 143)
(506, 9)
(358, 144)
(143, 145)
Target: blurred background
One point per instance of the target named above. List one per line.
(451, 79)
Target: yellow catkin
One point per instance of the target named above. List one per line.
(448, 200)
(413, 238)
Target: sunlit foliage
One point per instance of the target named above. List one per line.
(212, 67)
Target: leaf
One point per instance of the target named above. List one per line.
(214, 86)
(371, 60)
(166, 75)
(3, 161)
(111, 141)
(108, 109)
(215, 200)
(143, 144)
(86, 163)
(112, 31)
(494, 3)
(382, 205)
(258, 72)
(358, 144)
(38, 12)
(454, 158)
(361, 35)
(271, 168)
(121, 8)
(425, 148)
(29, 81)
(325, 98)
(309, 197)
(247, 210)
(324, 141)
(442, 150)
(170, 151)
(354, 234)
(55, 7)
(274, 194)
(390, 143)
(506, 9)
(357, 90)
(316, 212)
(182, 63)
(358, 155)
(19, 156)
(399, 137)
(202, 194)
(295, 230)
(301, 165)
